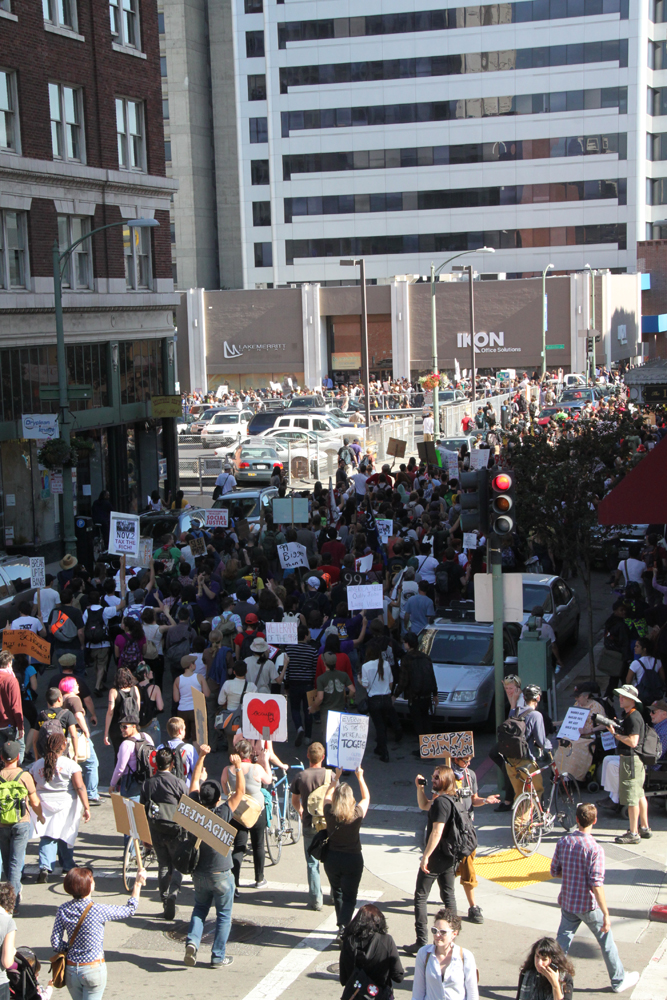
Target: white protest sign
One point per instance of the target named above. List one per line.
(281, 632)
(124, 534)
(512, 597)
(292, 555)
(36, 426)
(144, 555)
(265, 717)
(451, 460)
(366, 597)
(469, 540)
(288, 511)
(365, 564)
(346, 740)
(574, 721)
(479, 458)
(37, 572)
(608, 741)
(385, 526)
(217, 518)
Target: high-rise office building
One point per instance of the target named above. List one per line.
(407, 132)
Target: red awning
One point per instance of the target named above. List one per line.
(641, 497)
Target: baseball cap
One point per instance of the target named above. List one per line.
(11, 750)
(251, 618)
(661, 705)
(129, 720)
(313, 581)
(67, 660)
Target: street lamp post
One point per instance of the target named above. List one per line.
(549, 267)
(434, 337)
(365, 376)
(59, 261)
(592, 272)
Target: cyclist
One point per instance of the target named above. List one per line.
(529, 746)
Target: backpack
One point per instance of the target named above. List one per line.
(177, 648)
(145, 755)
(231, 719)
(180, 761)
(95, 629)
(13, 799)
(460, 840)
(315, 803)
(512, 736)
(131, 655)
(650, 687)
(270, 545)
(61, 626)
(148, 709)
(52, 724)
(346, 455)
(650, 748)
(248, 639)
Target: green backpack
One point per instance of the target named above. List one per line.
(13, 799)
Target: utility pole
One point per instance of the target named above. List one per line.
(468, 269)
(549, 267)
(365, 377)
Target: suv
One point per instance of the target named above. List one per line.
(303, 421)
(306, 403)
(226, 427)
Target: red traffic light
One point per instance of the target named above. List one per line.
(502, 482)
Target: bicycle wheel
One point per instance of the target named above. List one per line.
(293, 824)
(148, 861)
(274, 837)
(567, 797)
(527, 823)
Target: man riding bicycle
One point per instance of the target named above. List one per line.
(523, 743)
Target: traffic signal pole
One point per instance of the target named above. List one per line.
(498, 622)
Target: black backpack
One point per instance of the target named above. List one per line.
(179, 760)
(460, 839)
(650, 687)
(512, 740)
(148, 709)
(247, 642)
(95, 630)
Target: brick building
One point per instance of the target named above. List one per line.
(82, 146)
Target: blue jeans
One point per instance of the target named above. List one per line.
(90, 769)
(51, 848)
(569, 923)
(313, 865)
(86, 982)
(216, 889)
(13, 842)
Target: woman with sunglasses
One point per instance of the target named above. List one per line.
(444, 970)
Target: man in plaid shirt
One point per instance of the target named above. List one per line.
(579, 860)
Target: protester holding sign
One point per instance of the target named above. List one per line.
(344, 862)
(160, 794)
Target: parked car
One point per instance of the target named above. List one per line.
(14, 586)
(197, 426)
(307, 403)
(610, 543)
(581, 395)
(304, 421)
(183, 426)
(155, 525)
(451, 396)
(558, 601)
(253, 463)
(248, 503)
(226, 427)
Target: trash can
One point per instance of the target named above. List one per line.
(83, 529)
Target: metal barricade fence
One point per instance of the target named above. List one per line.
(451, 414)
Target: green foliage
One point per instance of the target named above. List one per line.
(57, 453)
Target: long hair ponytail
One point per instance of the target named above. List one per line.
(55, 744)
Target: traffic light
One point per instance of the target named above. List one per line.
(502, 513)
(475, 503)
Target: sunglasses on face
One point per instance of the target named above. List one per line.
(440, 932)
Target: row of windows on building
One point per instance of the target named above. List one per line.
(24, 371)
(405, 22)
(78, 271)
(123, 15)
(429, 156)
(67, 124)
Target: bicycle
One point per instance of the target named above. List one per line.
(285, 820)
(530, 820)
(148, 861)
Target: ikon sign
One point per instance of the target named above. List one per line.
(487, 343)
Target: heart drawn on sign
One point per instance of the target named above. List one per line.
(264, 715)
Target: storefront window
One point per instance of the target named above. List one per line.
(140, 363)
(24, 371)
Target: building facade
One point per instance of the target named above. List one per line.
(81, 148)
(252, 338)
(536, 127)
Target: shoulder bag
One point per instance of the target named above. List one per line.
(319, 846)
(59, 960)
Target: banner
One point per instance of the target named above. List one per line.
(144, 555)
(292, 555)
(205, 825)
(346, 740)
(446, 745)
(217, 518)
(167, 406)
(124, 534)
(365, 598)
(282, 632)
(265, 717)
(25, 641)
(385, 526)
(450, 460)
(198, 546)
(37, 572)
(479, 458)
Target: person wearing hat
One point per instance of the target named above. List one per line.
(15, 831)
(262, 671)
(66, 631)
(243, 640)
(225, 482)
(625, 779)
(658, 713)
(316, 598)
(66, 574)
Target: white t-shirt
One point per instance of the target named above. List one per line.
(426, 568)
(359, 480)
(641, 665)
(262, 677)
(48, 598)
(230, 692)
(27, 623)
(429, 424)
(632, 570)
(226, 482)
(371, 680)
(107, 615)
(545, 631)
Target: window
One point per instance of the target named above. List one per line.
(5, 5)
(65, 104)
(259, 129)
(23, 370)
(657, 101)
(261, 213)
(130, 131)
(13, 250)
(657, 55)
(160, 23)
(8, 116)
(60, 12)
(263, 255)
(254, 6)
(259, 171)
(165, 109)
(77, 272)
(167, 151)
(163, 67)
(137, 250)
(254, 44)
(125, 22)
(656, 146)
(257, 87)
(140, 365)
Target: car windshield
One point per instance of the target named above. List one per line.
(225, 418)
(238, 507)
(470, 649)
(576, 394)
(255, 453)
(534, 595)
(453, 444)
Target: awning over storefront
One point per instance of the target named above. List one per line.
(640, 498)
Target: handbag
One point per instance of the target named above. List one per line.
(248, 811)
(361, 698)
(59, 960)
(610, 662)
(361, 985)
(319, 846)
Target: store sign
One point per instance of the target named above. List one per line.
(232, 351)
(487, 343)
(167, 406)
(346, 360)
(40, 426)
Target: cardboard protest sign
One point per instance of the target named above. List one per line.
(37, 572)
(26, 642)
(479, 458)
(384, 526)
(446, 745)
(198, 546)
(281, 632)
(205, 825)
(217, 518)
(469, 540)
(346, 739)
(450, 461)
(396, 447)
(574, 721)
(265, 717)
(311, 697)
(366, 597)
(365, 564)
(201, 726)
(290, 510)
(144, 555)
(130, 817)
(292, 555)
(124, 534)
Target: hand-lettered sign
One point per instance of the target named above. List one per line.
(446, 745)
(26, 642)
(265, 717)
(205, 825)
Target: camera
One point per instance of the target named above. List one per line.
(602, 720)
(421, 781)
